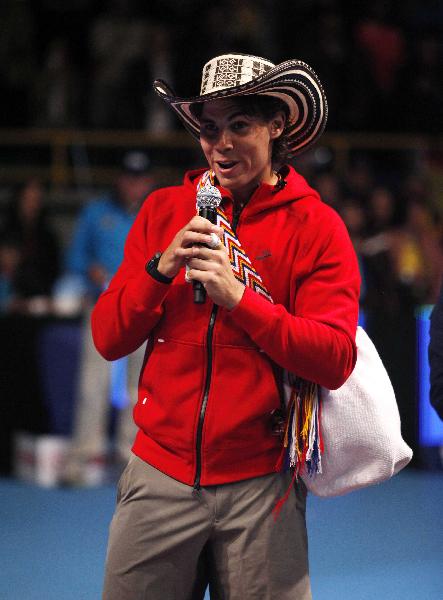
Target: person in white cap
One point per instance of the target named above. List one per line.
(196, 501)
(93, 257)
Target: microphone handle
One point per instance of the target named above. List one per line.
(199, 290)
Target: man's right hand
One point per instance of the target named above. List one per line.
(196, 232)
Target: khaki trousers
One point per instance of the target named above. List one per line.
(168, 540)
(90, 429)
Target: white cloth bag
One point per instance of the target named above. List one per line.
(360, 425)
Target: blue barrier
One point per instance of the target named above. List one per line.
(430, 428)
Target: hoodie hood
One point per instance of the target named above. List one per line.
(266, 196)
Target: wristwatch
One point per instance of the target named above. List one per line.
(152, 268)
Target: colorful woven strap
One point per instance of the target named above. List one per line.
(241, 265)
(302, 442)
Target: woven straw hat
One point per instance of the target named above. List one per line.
(293, 82)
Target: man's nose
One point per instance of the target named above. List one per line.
(224, 141)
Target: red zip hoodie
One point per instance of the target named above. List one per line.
(207, 387)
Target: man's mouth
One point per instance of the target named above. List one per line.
(225, 165)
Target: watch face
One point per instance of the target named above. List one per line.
(152, 264)
(151, 268)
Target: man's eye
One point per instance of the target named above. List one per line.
(209, 127)
(238, 125)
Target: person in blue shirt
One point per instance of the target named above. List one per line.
(97, 247)
(93, 257)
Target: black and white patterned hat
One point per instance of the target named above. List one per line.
(293, 82)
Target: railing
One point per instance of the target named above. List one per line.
(66, 158)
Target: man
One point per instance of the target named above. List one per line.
(282, 288)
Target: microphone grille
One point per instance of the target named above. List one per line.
(208, 200)
(208, 196)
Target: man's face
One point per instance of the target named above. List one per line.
(238, 147)
(133, 189)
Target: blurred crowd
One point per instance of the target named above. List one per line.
(47, 280)
(396, 228)
(90, 63)
(43, 273)
(397, 233)
(29, 252)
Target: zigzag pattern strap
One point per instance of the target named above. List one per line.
(207, 179)
(241, 265)
(302, 447)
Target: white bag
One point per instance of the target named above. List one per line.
(360, 425)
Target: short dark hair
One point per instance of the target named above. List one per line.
(265, 108)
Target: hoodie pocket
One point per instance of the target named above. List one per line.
(170, 391)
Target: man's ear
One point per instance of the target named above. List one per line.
(277, 125)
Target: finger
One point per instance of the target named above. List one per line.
(202, 225)
(192, 237)
(197, 252)
(203, 265)
(215, 241)
(204, 277)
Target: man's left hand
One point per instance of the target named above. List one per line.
(212, 268)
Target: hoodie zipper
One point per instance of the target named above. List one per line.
(201, 419)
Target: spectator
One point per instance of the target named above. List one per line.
(421, 86)
(383, 45)
(417, 252)
(359, 178)
(329, 188)
(382, 50)
(355, 218)
(158, 119)
(57, 93)
(401, 260)
(119, 44)
(9, 261)
(18, 64)
(36, 248)
(330, 57)
(384, 293)
(94, 255)
(382, 210)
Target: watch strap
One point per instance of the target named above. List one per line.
(152, 269)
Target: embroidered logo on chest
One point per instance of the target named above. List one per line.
(264, 254)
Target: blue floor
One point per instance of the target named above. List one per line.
(383, 543)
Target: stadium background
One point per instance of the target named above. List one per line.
(76, 93)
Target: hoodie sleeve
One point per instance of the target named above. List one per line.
(315, 339)
(132, 305)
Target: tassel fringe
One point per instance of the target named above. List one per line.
(304, 444)
(302, 441)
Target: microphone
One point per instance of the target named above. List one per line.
(208, 199)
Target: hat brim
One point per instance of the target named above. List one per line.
(293, 82)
